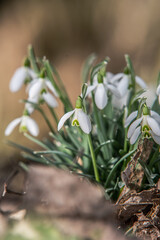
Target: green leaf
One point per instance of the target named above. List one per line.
(87, 67)
(111, 173)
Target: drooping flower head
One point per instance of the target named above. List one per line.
(27, 124)
(22, 75)
(101, 85)
(145, 125)
(38, 91)
(122, 81)
(79, 119)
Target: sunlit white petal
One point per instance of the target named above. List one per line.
(32, 126)
(140, 82)
(116, 77)
(123, 85)
(50, 86)
(12, 125)
(153, 125)
(31, 84)
(49, 99)
(155, 115)
(84, 121)
(36, 88)
(135, 135)
(133, 126)
(109, 75)
(155, 137)
(64, 118)
(31, 73)
(130, 118)
(114, 90)
(101, 98)
(89, 90)
(18, 79)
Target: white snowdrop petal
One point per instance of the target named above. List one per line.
(64, 118)
(31, 84)
(155, 115)
(89, 90)
(84, 121)
(101, 98)
(32, 126)
(116, 77)
(109, 75)
(31, 73)
(140, 82)
(133, 126)
(135, 135)
(36, 88)
(12, 125)
(153, 124)
(158, 90)
(18, 79)
(155, 137)
(50, 86)
(123, 85)
(49, 99)
(130, 118)
(114, 90)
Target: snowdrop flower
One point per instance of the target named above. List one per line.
(80, 118)
(101, 86)
(26, 124)
(123, 80)
(38, 90)
(21, 75)
(148, 124)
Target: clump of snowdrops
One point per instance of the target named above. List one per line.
(98, 135)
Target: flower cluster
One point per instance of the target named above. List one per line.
(98, 146)
(38, 87)
(146, 125)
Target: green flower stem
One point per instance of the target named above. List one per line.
(93, 158)
(100, 129)
(155, 156)
(33, 58)
(125, 140)
(130, 67)
(46, 119)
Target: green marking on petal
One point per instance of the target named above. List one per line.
(23, 128)
(43, 91)
(75, 122)
(147, 135)
(145, 128)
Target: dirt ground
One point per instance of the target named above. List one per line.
(75, 206)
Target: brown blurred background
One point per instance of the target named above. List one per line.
(66, 32)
